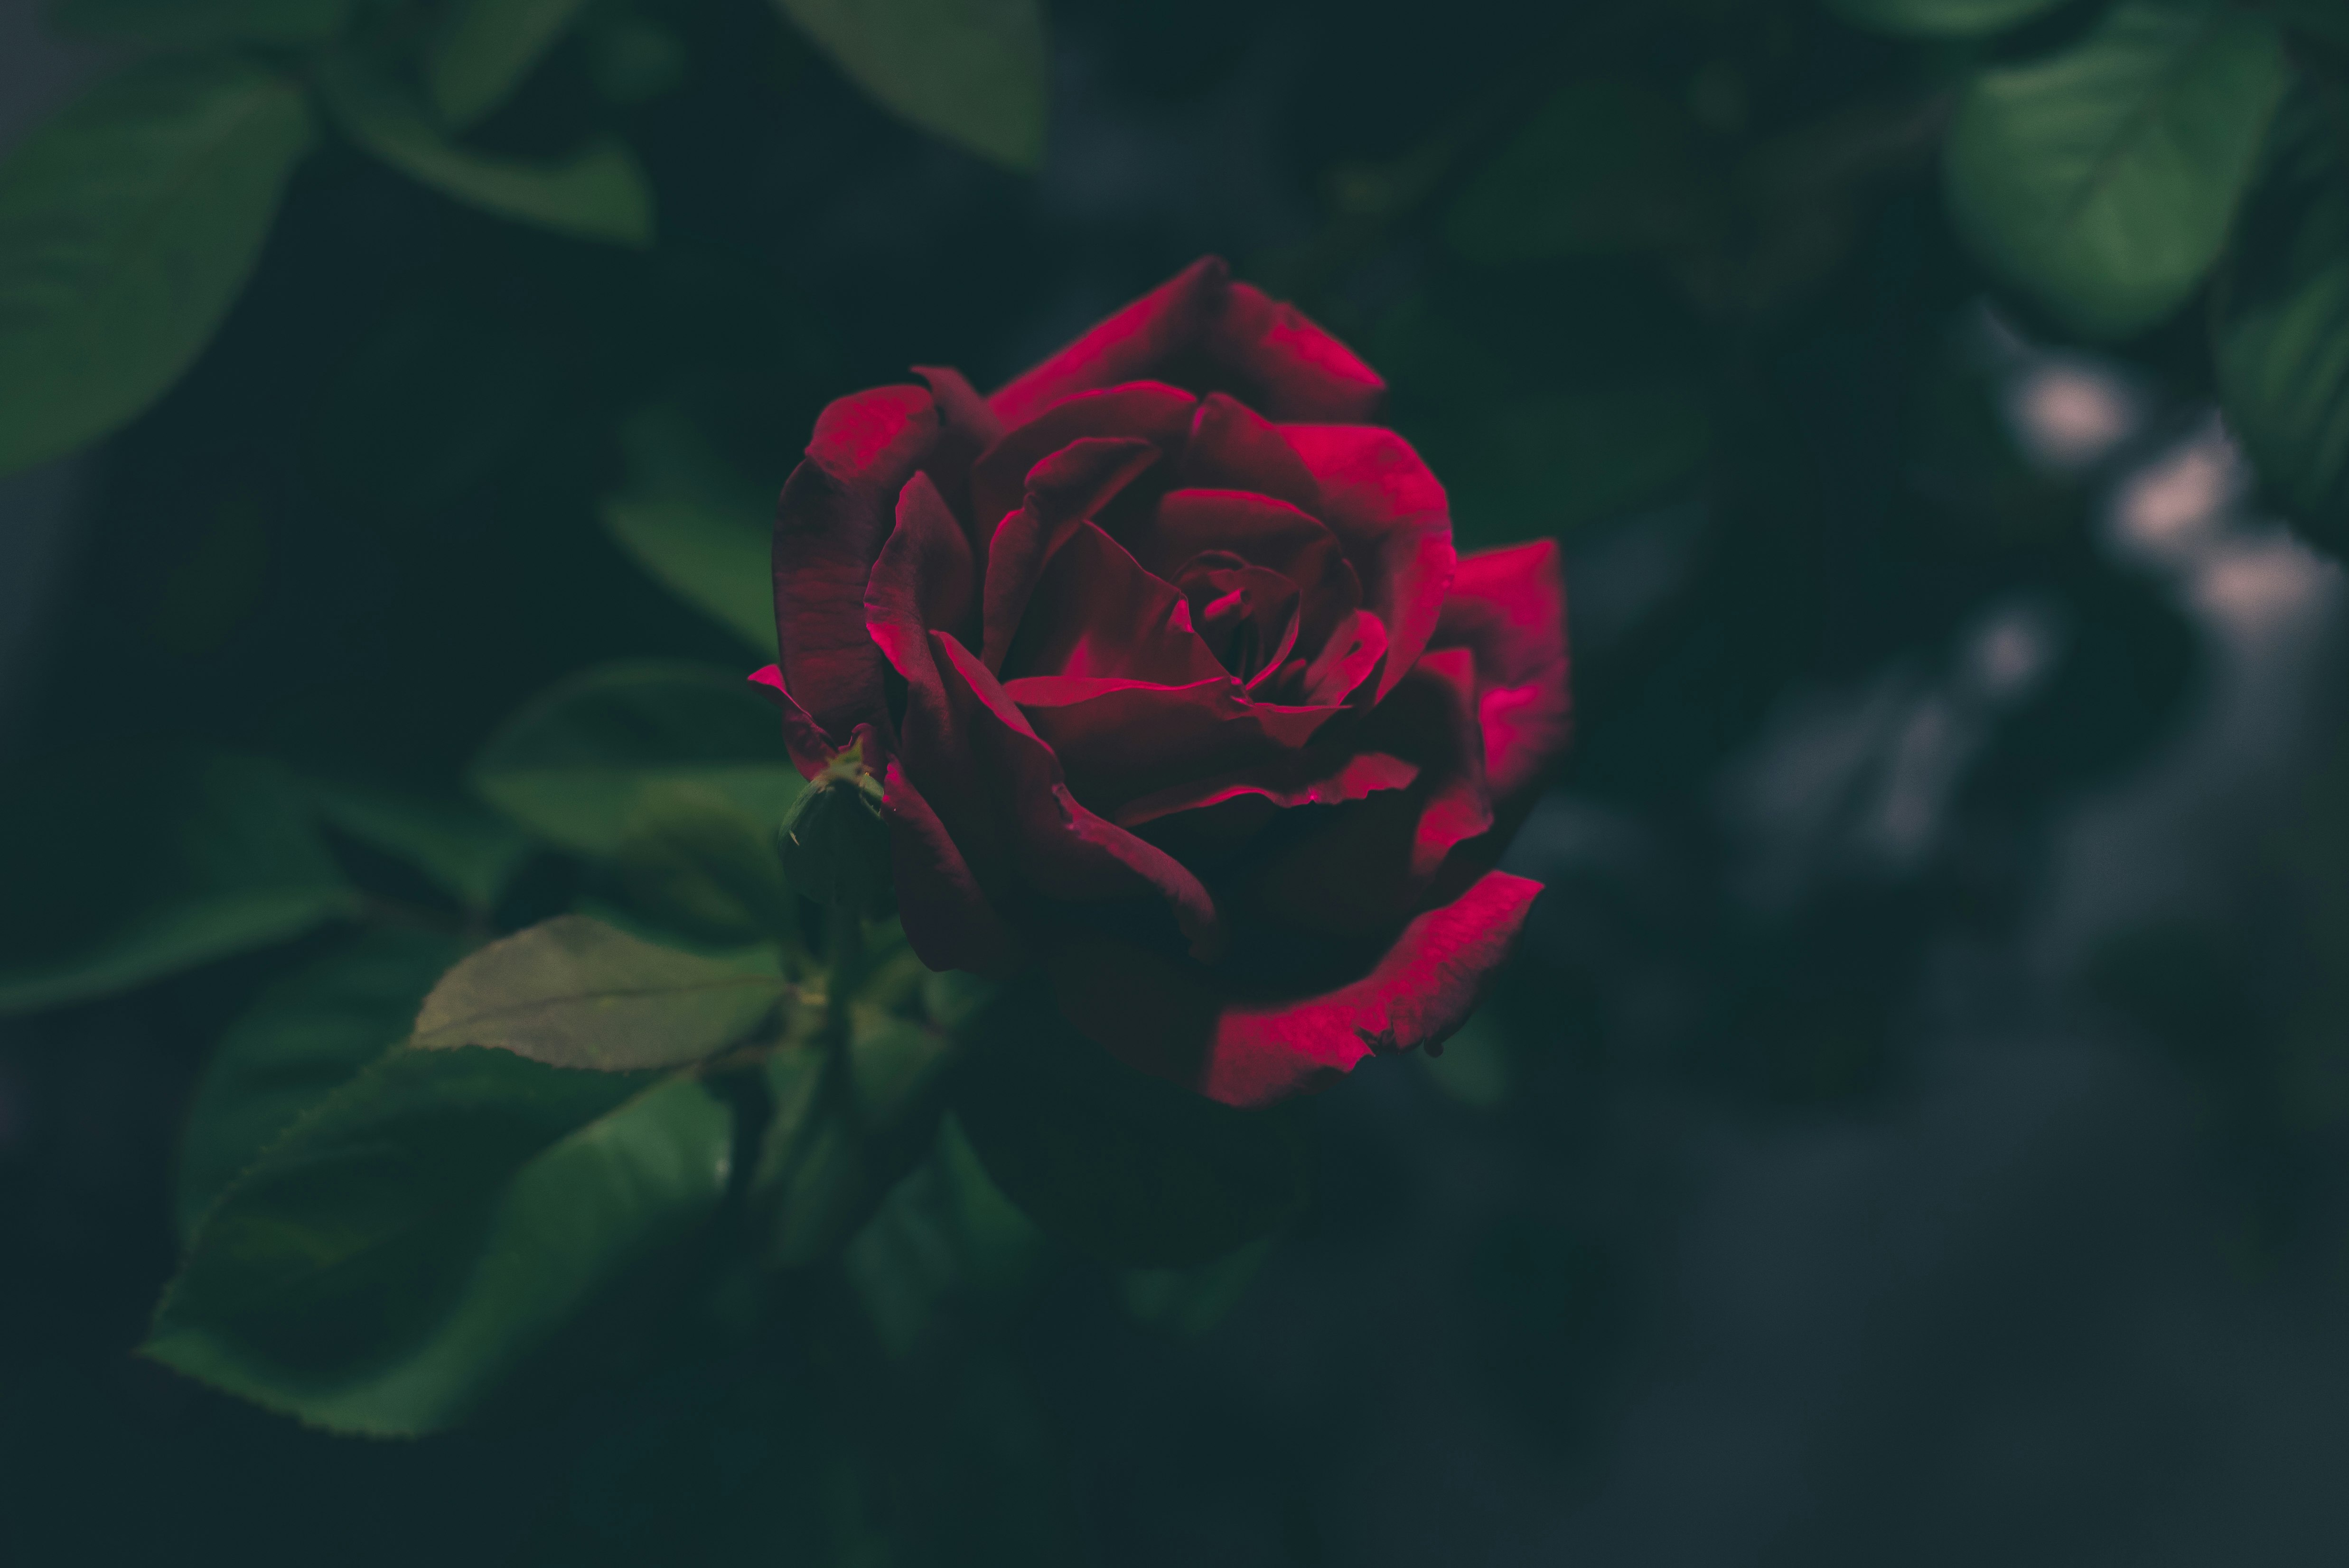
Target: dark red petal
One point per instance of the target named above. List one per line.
(1063, 492)
(1163, 327)
(967, 427)
(1064, 851)
(1377, 859)
(829, 525)
(1148, 410)
(1162, 1016)
(1288, 366)
(1508, 608)
(1096, 612)
(1245, 614)
(946, 914)
(1304, 778)
(1346, 658)
(1393, 518)
(810, 748)
(921, 583)
(1120, 739)
(1234, 448)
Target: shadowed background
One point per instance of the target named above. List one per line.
(1905, 1136)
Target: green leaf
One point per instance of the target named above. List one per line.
(2102, 181)
(2327, 19)
(125, 865)
(699, 529)
(183, 22)
(574, 992)
(306, 1036)
(464, 850)
(435, 1230)
(599, 193)
(128, 227)
(690, 857)
(485, 48)
(1601, 168)
(1187, 1302)
(973, 72)
(2282, 336)
(1940, 18)
(836, 1143)
(577, 764)
(945, 1237)
(1121, 1167)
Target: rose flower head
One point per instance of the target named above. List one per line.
(1176, 688)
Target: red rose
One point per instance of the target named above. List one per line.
(1177, 688)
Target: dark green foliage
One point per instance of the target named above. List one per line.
(1121, 1167)
(408, 1247)
(125, 866)
(127, 227)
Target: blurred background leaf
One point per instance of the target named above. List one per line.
(127, 225)
(394, 1262)
(180, 22)
(974, 71)
(2101, 180)
(484, 48)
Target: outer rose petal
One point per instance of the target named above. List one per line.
(1163, 1017)
(1391, 516)
(967, 427)
(809, 748)
(1508, 608)
(1148, 410)
(1200, 329)
(1289, 368)
(829, 525)
(1154, 332)
(948, 916)
(1233, 447)
(1377, 860)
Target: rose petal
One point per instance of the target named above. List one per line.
(1303, 778)
(1376, 860)
(809, 748)
(1508, 607)
(1201, 330)
(829, 525)
(1096, 612)
(1148, 410)
(1062, 850)
(1120, 739)
(1188, 523)
(967, 427)
(1391, 516)
(947, 917)
(1063, 492)
(921, 583)
(1346, 659)
(1285, 364)
(1245, 614)
(1155, 330)
(1234, 448)
(1165, 1017)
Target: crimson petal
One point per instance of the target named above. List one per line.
(1063, 492)
(1291, 368)
(1233, 447)
(1391, 516)
(1064, 851)
(948, 916)
(1161, 327)
(1163, 1017)
(1120, 739)
(1150, 411)
(1096, 613)
(1508, 608)
(829, 525)
(1303, 778)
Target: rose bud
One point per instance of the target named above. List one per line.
(1177, 690)
(832, 843)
